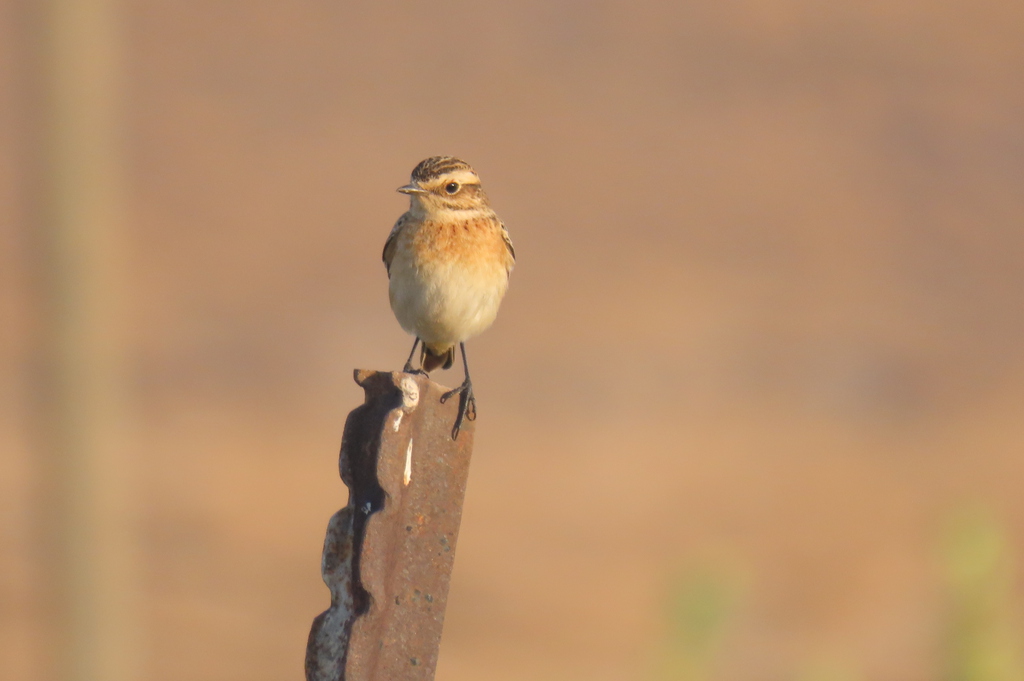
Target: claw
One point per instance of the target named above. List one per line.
(408, 363)
(407, 369)
(467, 405)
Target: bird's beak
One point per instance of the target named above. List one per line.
(411, 188)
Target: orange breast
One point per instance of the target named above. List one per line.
(469, 243)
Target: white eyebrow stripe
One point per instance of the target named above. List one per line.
(461, 176)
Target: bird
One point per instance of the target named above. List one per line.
(448, 259)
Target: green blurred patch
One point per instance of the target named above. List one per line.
(828, 671)
(983, 633)
(702, 603)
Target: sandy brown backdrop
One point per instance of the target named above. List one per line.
(768, 316)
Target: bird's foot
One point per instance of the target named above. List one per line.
(407, 369)
(467, 405)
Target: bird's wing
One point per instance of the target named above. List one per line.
(508, 244)
(389, 245)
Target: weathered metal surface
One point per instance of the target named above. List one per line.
(389, 554)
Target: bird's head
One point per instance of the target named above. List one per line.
(443, 183)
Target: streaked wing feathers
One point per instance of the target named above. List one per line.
(508, 244)
(389, 245)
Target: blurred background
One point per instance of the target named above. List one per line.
(753, 408)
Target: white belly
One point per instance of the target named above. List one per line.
(446, 304)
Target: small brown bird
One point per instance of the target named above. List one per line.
(448, 259)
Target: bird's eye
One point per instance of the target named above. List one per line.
(452, 187)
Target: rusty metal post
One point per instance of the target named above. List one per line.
(388, 555)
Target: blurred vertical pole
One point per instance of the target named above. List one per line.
(88, 518)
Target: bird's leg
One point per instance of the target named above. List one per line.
(408, 363)
(467, 403)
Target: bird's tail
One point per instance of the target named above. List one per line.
(431, 359)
